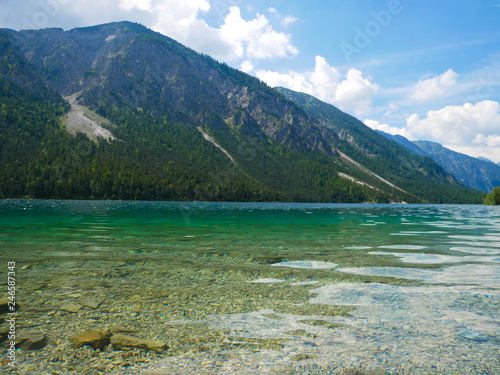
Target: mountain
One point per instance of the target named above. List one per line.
(126, 66)
(389, 160)
(485, 159)
(15, 68)
(29, 113)
(147, 118)
(480, 174)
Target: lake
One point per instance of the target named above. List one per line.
(254, 288)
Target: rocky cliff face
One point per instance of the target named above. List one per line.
(126, 65)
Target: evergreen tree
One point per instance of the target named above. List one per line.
(493, 198)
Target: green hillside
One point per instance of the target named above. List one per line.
(185, 128)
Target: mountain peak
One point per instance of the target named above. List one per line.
(114, 28)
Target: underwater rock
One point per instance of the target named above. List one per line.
(94, 339)
(4, 305)
(31, 340)
(89, 302)
(119, 329)
(71, 307)
(120, 341)
(4, 333)
(473, 335)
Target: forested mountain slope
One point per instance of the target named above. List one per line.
(416, 174)
(185, 127)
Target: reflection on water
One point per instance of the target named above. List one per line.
(472, 274)
(438, 258)
(321, 286)
(477, 250)
(306, 264)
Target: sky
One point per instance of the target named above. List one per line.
(426, 69)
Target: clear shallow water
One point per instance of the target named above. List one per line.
(422, 283)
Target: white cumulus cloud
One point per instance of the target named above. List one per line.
(376, 125)
(255, 38)
(492, 140)
(434, 88)
(457, 125)
(139, 4)
(356, 92)
(236, 39)
(246, 66)
(471, 128)
(181, 21)
(353, 93)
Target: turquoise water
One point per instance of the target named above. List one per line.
(407, 288)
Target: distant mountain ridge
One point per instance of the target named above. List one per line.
(186, 127)
(478, 173)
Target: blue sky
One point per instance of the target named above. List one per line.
(424, 69)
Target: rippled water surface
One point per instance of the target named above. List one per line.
(402, 288)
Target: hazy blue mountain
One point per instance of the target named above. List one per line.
(479, 173)
(181, 126)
